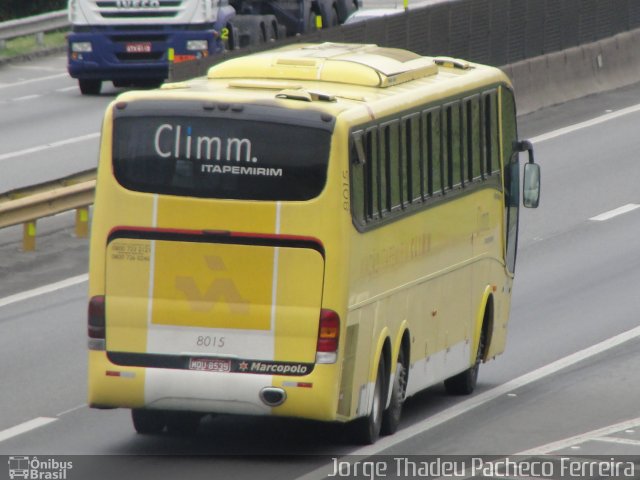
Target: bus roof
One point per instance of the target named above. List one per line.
(365, 65)
(335, 77)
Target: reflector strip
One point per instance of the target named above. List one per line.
(113, 373)
(297, 384)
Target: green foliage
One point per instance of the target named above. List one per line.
(27, 45)
(11, 9)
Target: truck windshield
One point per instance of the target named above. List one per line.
(220, 157)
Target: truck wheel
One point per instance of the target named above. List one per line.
(465, 383)
(332, 21)
(366, 430)
(249, 31)
(90, 87)
(148, 422)
(229, 40)
(270, 28)
(391, 416)
(311, 23)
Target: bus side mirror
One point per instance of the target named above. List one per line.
(531, 185)
(531, 181)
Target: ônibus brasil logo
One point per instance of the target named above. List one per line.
(33, 468)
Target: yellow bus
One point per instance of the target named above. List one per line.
(317, 231)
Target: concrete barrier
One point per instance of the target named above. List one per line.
(591, 68)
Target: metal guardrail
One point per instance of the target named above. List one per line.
(25, 206)
(37, 25)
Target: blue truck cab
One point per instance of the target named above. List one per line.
(132, 42)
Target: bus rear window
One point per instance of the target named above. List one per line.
(220, 157)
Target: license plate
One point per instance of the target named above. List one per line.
(141, 47)
(210, 365)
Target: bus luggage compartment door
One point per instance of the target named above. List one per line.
(170, 300)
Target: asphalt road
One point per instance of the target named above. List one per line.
(46, 123)
(562, 385)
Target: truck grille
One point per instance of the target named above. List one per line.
(140, 37)
(139, 8)
(140, 57)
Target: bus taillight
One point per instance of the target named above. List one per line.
(328, 337)
(96, 321)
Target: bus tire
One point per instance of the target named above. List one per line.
(391, 416)
(366, 430)
(465, 383)
(183, 424)
(90, 87)
(148, 422)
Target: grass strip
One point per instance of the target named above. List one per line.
(27, 45)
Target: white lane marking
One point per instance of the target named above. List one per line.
(53, 287)
(36, 68)
(77, 407)
(67, 89)
(615, 212)
(621, 441)
(47, 146)
(586, 124)
(33, 80)
(25, 427)
(582, 438)
(486, 397)
(26, 97)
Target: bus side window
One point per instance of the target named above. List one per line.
(473, 138)
(490, 127)
(373, 175)
(511, 176)
(390, 150)
(454, 163)
(412, 187)
(432, 155)
(358, 165)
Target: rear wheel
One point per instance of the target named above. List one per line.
(90, 87)
(148, 422)
(465, 383)
(391, 416)
(183, 423)
(366, 430)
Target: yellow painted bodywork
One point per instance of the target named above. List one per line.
(429, 274)
(107, 391)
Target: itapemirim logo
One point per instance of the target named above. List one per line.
(33, 468)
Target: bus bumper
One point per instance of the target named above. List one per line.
(313, 396)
